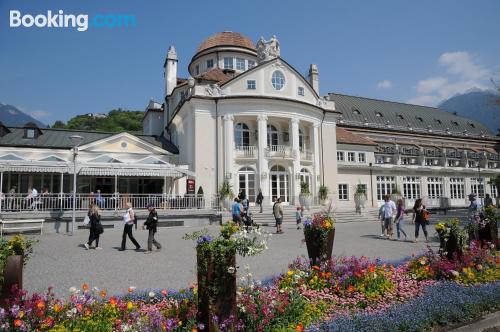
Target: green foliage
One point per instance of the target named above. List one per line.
(323, 192)
(304, 188)
(226, 189)
(118, 120)
(17, 245)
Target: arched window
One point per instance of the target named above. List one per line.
(305, 177)
(278, 168)
(272, 135)
(241, 135)
(279, 183)
(246, 182)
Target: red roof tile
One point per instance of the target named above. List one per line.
(346, 137)
(214, 75)
(226, 38)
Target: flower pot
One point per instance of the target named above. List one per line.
(305, 201)
(318, 251)
(359, 202)
(13, 275)
(226, 203)
(216, 291)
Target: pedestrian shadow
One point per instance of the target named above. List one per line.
(129, 249)
(371, 236)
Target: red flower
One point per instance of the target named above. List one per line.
(18, 322)
(85, 287)
(315, 267)
(299, 327)
(40, 304)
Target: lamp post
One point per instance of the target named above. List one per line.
(479, 183)
(76, 139)
(371, 181)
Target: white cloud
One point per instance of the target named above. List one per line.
(463, 74)
(385, 84)
(40, 114)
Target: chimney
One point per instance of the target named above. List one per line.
(313, 77)
(170, 66)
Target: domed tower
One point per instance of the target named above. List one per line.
(226, 50)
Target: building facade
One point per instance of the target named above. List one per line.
(247, 116)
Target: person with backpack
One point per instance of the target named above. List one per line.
(96, 228)
(420, 218)
(151, 224)
(129, 220)
(259, 200)
(400, 212)
(278, 215)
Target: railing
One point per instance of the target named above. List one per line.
(245, 151)
(278, 151)
(64, 202)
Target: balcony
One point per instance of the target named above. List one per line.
(306, 155)
(248, 151)
(278, 151)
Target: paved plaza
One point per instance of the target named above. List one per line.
(61, 260)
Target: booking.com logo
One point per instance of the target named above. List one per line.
(61, 20)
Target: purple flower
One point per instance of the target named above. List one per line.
(204, 238)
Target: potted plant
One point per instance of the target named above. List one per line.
(305, 195)
(216, 271)
(360, 197)
(13, 256)
(452, 239)
(323, 194)
(225, 194)
(319, 234)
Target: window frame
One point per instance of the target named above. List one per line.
(278, 80)
(342, 154)
(239, 63)
(359, 157)
(300, 91)
(351, 157)
(343, 191)
(251, 85)
(228, 64)
(210, 63)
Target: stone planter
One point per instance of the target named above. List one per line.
(305, 201)
(359, 202)
(216, 291)
(13, 275)
(226, 203)
(315, 249)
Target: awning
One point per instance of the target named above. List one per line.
(34, 169)
(170, 172)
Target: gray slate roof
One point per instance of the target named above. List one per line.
(60, 139)
(362, 111)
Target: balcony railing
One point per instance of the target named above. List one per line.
(246, 151)
(278, 151)
(64, 202)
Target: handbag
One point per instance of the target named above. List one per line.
(99, 229)
(86, 220)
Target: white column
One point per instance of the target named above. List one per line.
(316, 154)
(228, 145)
(1, 190)
(294, 131)
(263, 179)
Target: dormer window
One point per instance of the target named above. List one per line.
(438, 121)
(228, 63)
(378, 114)
(31, 131)
(472, 125)
(197, 70)
(210, 63)
(240, 64)
(400, 117)
(356, 111)
(420, 119)
(455, 123)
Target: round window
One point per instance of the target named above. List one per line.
(124, 145)
(278, 80)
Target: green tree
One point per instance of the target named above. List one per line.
(117, 120)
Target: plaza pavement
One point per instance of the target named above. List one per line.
(61, 261)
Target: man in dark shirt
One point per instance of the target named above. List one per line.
(151, 224)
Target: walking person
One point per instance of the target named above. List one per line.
(298, 216)
(386, 215)
(151, 224)
(278, 215)
(236, 211)
(399, 220)
(420, 217)
(260, 199)
(128, 220)
(96, 228)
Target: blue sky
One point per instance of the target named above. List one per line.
(409, 51)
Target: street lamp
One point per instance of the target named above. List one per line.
(76, 139)
(479, 183)
(371, 181)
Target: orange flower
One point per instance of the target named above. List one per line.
(79, 307)
(87, 312)
(194, 329)
(357, 274)
(112, 301)
(315, 267)
(18, 322)
(40, 304)
(131, 289)
(57, 307)
(371, 268)
(103, 294)
(427, 268)
(350, 289)
(85, 287)
(49, 321)
(299, 327)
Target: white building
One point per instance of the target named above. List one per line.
(248, 116)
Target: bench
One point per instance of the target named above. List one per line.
(21, 225)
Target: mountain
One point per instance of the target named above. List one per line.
(12, 116)
(482, 106)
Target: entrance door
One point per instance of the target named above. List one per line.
(246, 183)
(279, 183)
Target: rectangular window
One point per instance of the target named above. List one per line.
(471, 163)
(197, 70)
(251, 64)
(361, 157)
(351, 156)
(428, 162)
(434, 187)
(228, 63)
(493, 191)
(210, 63)
(240, 64)
(379, 159)
(411, 187)
(343, 192)
(300, 91)
(340, 156)
(457, 188)
(30, 133)
(405, 161)
(386, 185)
(477, 187)
(492, 164)
(251, 85)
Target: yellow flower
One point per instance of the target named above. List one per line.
(130, 305)
(180, 323)
(290, 272)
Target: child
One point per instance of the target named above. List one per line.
(298, 216)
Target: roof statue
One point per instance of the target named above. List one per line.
(268, 49)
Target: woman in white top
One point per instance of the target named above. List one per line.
(128, 220)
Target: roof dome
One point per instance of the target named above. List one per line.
(226, 38)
